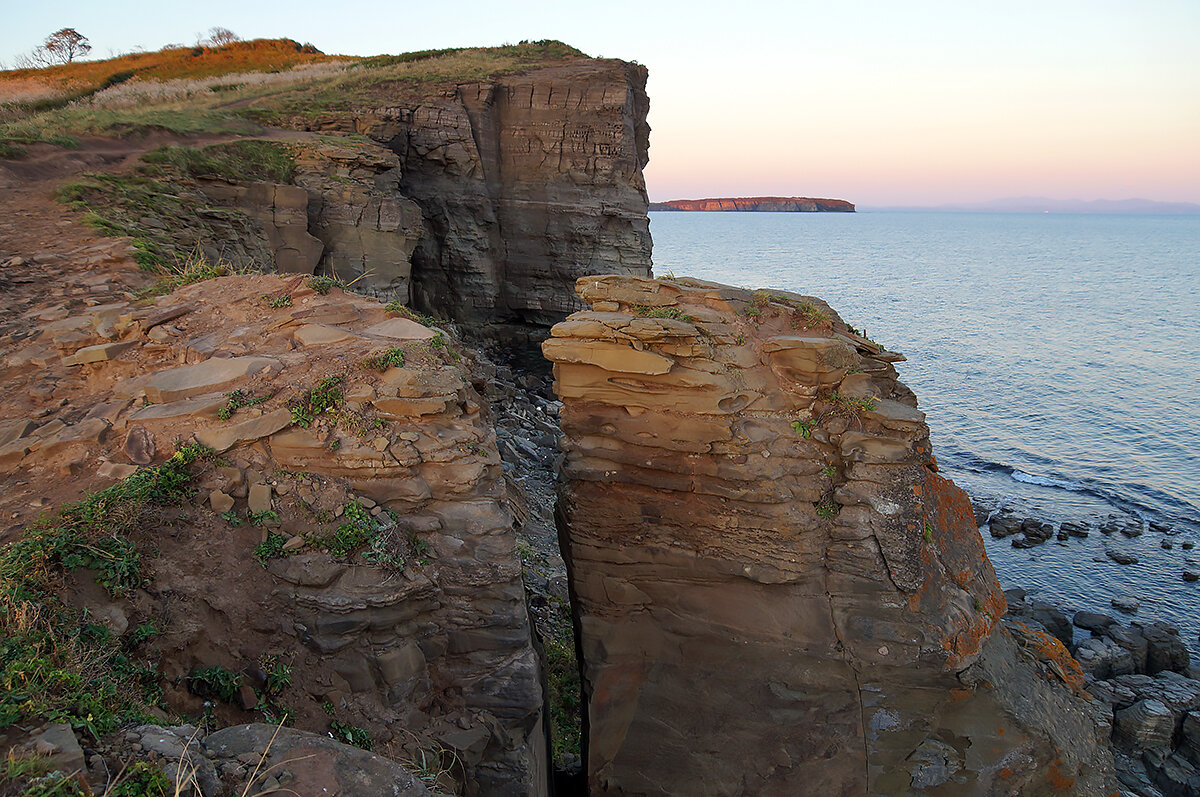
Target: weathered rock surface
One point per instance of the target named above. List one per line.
(750, 204)
(416, 631)
(525, 183)
(775, 591)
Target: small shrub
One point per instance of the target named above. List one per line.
(263, 518)
(277, 302)
(350, 734)
(804, 428)
(381, 361)
(828, 508)
(216, 682)
(270, 548)
(829, 471)
(324, 397)
(928, 532)
(848, 405)
(812, 314)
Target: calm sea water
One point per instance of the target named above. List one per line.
(1057, 357)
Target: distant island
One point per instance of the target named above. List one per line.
(759, 204)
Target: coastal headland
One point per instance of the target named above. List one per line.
(353, 448)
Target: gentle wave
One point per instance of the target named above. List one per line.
(1046, 481)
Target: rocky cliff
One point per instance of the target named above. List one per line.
(525, 182)
(775, 591)
(752, 204)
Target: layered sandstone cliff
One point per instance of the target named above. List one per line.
(775, 591)
(751, 204)
(525, 182)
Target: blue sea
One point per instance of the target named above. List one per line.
(1057, 357)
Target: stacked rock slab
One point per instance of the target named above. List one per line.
(775, 591)
(526, 182)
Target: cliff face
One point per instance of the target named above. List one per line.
(775, 591)
(782, 204)
(525, 183)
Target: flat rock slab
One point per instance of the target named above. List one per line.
(202, 406)
(211, 376)
(99, 353)
(224, 437)
(609, 356)
(400, 329)
(320, 334)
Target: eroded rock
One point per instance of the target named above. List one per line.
(758, 539)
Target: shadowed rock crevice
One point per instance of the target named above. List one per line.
(775, 590)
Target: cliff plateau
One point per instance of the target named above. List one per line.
(775, 591)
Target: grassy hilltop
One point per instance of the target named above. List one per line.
(230, 89)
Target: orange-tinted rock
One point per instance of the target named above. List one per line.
(775, 592)
(785, 204)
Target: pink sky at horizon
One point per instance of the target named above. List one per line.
(877, 102)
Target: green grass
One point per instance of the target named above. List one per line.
(662, 312)
(246, 161)
(167, 219)
(11, 151)
(395, 306)
(562, 681)
(237, 400)
(35, 776)
(56, 664)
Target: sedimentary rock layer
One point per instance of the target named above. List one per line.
(786, 204)
(525, 182)
(776, 593)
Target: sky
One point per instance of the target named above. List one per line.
(880, 102)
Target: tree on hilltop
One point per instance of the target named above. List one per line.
(64, 46)
(61, 47)
(219, 37)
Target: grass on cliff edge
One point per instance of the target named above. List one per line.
(56, 663)
(227, 90)
(167, 218)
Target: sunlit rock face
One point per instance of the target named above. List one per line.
(525, 182)
(776, 592)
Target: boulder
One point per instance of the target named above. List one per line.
(1144, 725)
(318, 764)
